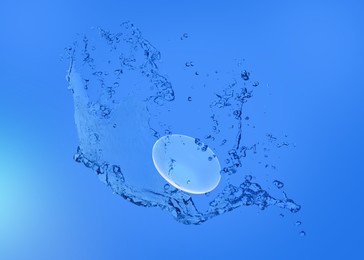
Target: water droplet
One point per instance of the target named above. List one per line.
(245, 75)
(189, 98)
(184, 36)
(248, 178)
(189, 64)
(256, 84)
(188, 182)
(198, 142)
(302, 233)
(118, 72)
(204, 148)
(278, 184)
(167, 187)
(116, 169)
(224, 170)
(77, 157)
(298, 223)
(237, 114)
(209, 137)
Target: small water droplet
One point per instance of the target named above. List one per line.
(118, 72)
(278, 184)
(188, 182)
(167, 187)
(189, 98)
(198, 142)
(298, 223)
(302, 233)
(256, 84)
(248, 178)
(237, 114)
(189, 64)
(224, 170)
(210, 158)
(116, 169)
(245, 75)
(184, 36)
(204, 148)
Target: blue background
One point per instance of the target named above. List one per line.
(309, 57)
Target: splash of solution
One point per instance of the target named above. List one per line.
(124, 104)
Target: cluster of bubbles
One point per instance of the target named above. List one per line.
(124, 104)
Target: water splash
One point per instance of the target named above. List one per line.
(123, 104)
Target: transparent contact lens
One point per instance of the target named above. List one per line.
(186, 163)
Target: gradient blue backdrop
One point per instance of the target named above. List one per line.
(308, 56)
